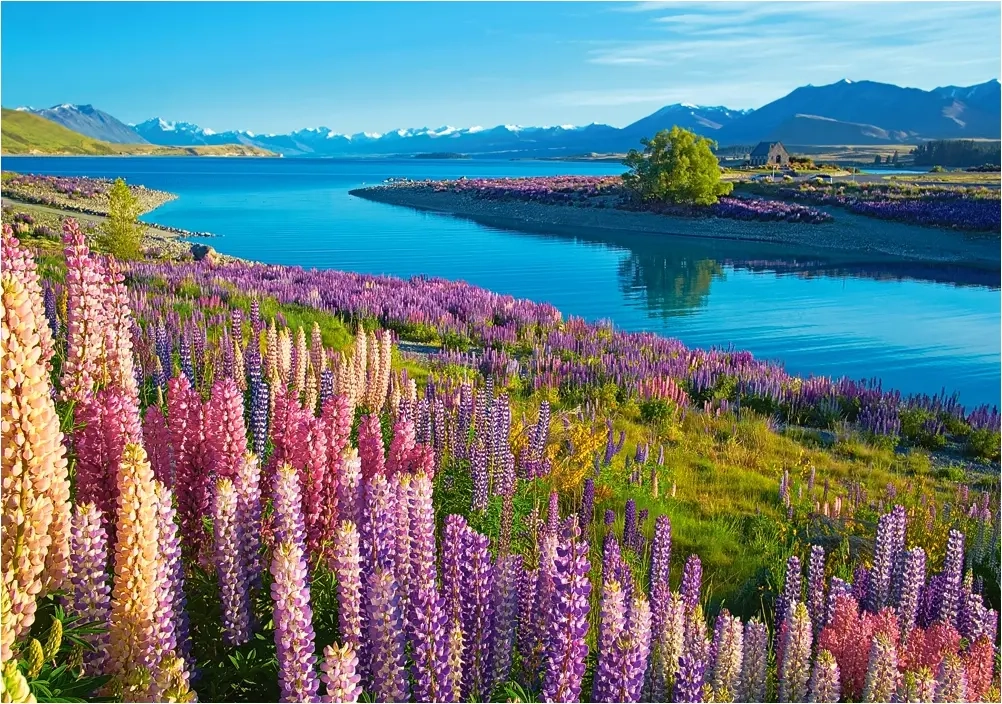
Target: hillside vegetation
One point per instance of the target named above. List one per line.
(25, 133)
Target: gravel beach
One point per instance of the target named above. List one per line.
(848, 232)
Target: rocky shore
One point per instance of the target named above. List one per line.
(847, 232)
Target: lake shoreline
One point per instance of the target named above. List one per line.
(851, 233)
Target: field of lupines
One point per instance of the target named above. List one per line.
(79, 193)
(201, 499)
(608, 192)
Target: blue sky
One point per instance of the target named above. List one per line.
(276, 67)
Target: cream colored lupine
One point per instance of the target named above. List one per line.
(311, 390)
(239, 369)
(271, 352)
(36, 511)
(377, 379)
(302, 357)
(19, 261)
(284, 355)
(132, 632)
(15, 686)
(359, 358)
(317, 354)
(172, 682)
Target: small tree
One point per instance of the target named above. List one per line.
(122, 233)
(676, 166)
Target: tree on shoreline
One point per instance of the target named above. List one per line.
(122, 233)
(676, 166)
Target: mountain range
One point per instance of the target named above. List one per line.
(842, 113)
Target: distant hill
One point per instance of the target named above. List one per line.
(842, 113)
(23, 132)
(89, 121)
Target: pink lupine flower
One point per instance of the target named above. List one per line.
(86, 316)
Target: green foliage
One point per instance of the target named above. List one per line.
(957, 152)
(983, 444)
(122, 234)
(676, 166)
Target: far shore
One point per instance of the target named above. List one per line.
(881, 239)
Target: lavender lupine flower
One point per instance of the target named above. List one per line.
(326, 385)
(346, 562)
(890, 540)
(911, 584)
(860, 584)
(630, 533)
(163, 348)
(90, 599)
(481, 479)
(293, 615)
(248, 488)
(427, 621)
(288, 516)
(49, 300)
(753, 665)
(386, 636)
(186, 365)
(171, 629)
(528, 622)
(692, 576)
(452, 561)
(505, 608)
(568, 626)
(611, 624)
(689, 680)
(401, 486)
(695, 643)
(882, 672)
(339, 676)
(661, 551)
(728, 654)
(234, 592)
(587, 503)
(825, 685)
(478, 627)
(795, 670)
(609, 517)
(817, 604)
(553, 515)
(951, 680)
(953, 566)
(629, 654)
(791, 589)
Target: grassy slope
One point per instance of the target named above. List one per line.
(24, 133)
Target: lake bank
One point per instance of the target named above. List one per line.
(848, 233)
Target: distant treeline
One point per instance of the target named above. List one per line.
(957, 152)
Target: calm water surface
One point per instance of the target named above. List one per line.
(816, 315)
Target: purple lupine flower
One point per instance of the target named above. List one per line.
(528, 622)
(860, 584)
(248, 487)
(626, 660)
(452, 561)
(609, 517)
(692, 576)
(816, 602)
(288, 501)
(349, 490)
(694, 641)
(974, 618)
(481, 479)
(825, 685)
(630, 532)
(612, 621)
(427, 621)
(339, 674)
(259, 415)
(689, 680)
(478, 583)
(186, 365)
(293, 616)
(49, 299)
(377, 533)
(791, 589)
(346, 562)
(568, 620)
(728, 654)
(911, 585)
(661, 551)
(171, 626)
(953, 566)
(882, 671)
(890, 540)
(162, 345)
(234, 588)
(505, 606)
(587, 503)
(90, 600)
(951, 680)
(897, 552)
(795, 670)
(753, 665)
(401, 487)
(326, 385)
(553, 515)
(386, 636)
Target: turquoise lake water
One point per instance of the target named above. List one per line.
(815, 314)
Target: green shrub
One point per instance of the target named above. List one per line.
(983, 444)
(676, 166)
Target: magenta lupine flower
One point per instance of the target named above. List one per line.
(795, 669)
(728, 653)
(478, 627)
(953, 567)
(791, 590)
(339, 674)
(817, 603)
(293, 615)
(427, 621)
(225, 433)
(90, 600)
(156, 439)
(313, 475)
(753, 665)
(882, 672)
(505, 608)
(184, 420)
(234, 587)
(911, 584)
(824, 685)
(401, 447)
(370, 447)
(692, 576)
(566, 647)
(386, 636)
(346, 563)
(689, 680)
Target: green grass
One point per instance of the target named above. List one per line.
(25, 133)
